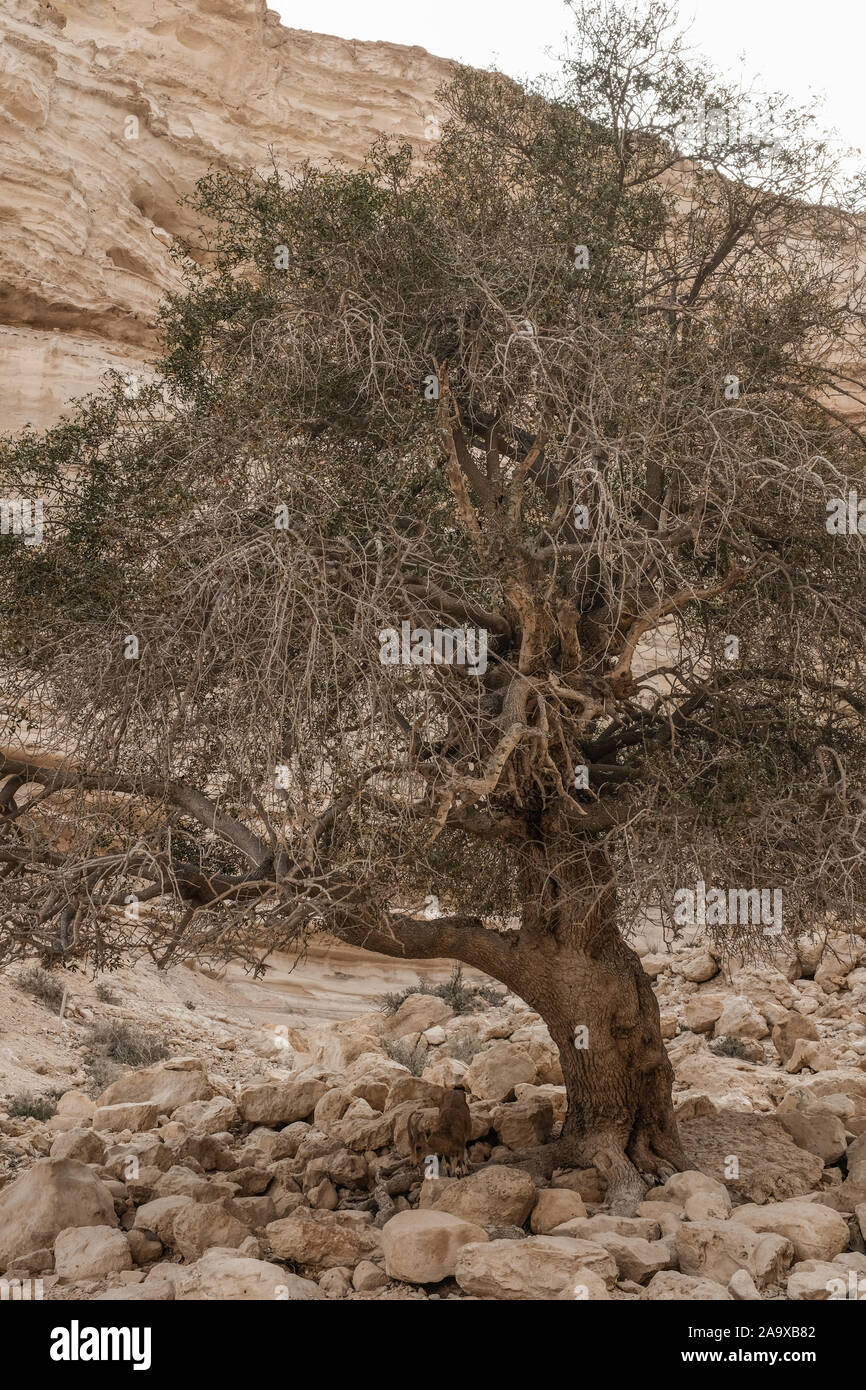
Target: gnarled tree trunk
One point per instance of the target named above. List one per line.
(570, 964)
(589, 986)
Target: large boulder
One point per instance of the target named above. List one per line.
(180, 1181)
(280, 1102)
(335, 1046)
(537, 1269)
(636, 1259)
(554, 1206)
(89, 1252)
(740, 1019)
(331, 1108)
(588, 1183)
(848, 1082)
(751, 1155)
(606, 1223)
(701, 1011)
(702, 1198)
(417, 1013)
(787, 1033)
(324, 1239)
(768, 989)
(166, 1085)
(421, 1247)
(821, 1281)
(494, 1196)
(362, 1127)
(671, 1286)
(717, 1249)
(697, 966)
(841, 955)
(159, 1215)
(523, 1124)
(555, 1094)
(414, 1089)
(342, 1168)
(816, 1232)
(199, 1226)
(445, 1071)
(223, 1275)
(537, 1042)
(82, 1144)
(812, 1126)
(132, 1115)
(207, 1116)
(370, 1078)
(74, 1110)
(809, 1056)
(493, 1074)
(53, 1194)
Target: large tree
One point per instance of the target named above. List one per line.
(577, 376)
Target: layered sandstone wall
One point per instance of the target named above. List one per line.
(89, 197)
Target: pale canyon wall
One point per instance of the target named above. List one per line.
(87, 213)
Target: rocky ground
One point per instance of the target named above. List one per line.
(266, 1156)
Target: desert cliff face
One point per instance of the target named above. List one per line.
(110, 110)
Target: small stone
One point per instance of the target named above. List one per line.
(144, 1247)
(554, 1206)
(742, 1287)
(336, 1283)
(368, 1276)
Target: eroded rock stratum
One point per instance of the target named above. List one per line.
(108, 115)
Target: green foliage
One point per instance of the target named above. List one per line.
(414, 1058)
(463, 1049)
(561, 386)
(26, 1104)
(458, 995)
(123, 1042)
(43, 986)
(740, 1048)
(101, 1072)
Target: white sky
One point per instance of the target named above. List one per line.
(796, 46)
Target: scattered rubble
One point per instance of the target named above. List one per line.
(271, 1160)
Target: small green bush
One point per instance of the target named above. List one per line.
(105, 994)
(489, 995)
(27, 1105)
(101, 1071)
(463, 1049)
(415, 1058)
(390, 1003)
(121, 1042)
(462, 998)
(42, 985)
(733, 1047)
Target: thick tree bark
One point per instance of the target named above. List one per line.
(601, 1012)
(570, 964)
(573, 967)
